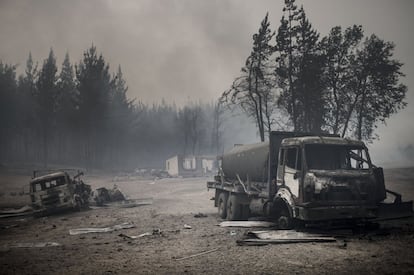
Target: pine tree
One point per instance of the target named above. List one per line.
(286, 60)
(299, 70)
(67, 110)
(27, 119)
(252, 92)
(309, 85)
(121, 118)
(46, 96)
(94, 86)
(8, 108)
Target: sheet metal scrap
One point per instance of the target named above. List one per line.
(23, 211)
(247, 224)
(79, 231)
(283, 237)
(131, 203)
(155, 231)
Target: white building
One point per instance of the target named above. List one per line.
(190, 166)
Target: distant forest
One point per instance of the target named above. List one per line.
(81, 116)
(293, 79)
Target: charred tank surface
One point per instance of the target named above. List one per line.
(249, 162)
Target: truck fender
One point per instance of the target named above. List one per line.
(283, 195)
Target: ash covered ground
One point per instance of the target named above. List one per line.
(176, 202)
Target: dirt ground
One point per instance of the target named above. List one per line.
(389, 250)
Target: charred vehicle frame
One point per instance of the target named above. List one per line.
(57, 191)
(302, 177)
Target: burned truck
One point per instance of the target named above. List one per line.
(302, 177)
(57, 191)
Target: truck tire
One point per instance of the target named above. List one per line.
(284, 220)
(234, 212)
(222, 205)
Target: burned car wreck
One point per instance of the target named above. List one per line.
(57, 191)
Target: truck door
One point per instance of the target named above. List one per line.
(290, 166)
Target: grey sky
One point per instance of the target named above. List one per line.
(183, 50)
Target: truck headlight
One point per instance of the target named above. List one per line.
(320, 183)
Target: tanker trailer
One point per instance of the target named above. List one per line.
(302, 177)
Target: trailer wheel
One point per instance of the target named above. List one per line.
(222, 205)
(234, 212)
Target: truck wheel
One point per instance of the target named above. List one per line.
(233, 208)
(222, 205)
(284, 220)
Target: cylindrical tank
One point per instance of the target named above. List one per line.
(248, 161)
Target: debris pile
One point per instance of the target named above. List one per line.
(247, 224)
(103, 195)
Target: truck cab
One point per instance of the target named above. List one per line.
(324, 178)
(57, 191)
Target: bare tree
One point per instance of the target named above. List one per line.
(217, 131)
(252, 92)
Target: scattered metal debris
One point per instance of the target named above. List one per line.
(126, 203)
(200, 215)
(79, 231)
(247, 224)
(10, 213)
(186, 226)
(283, 237)
(131, 203)
(284, 234)
(156, 231)
(287, 241)
(196, 255)
(26, 208)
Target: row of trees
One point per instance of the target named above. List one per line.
(81, 116)
(343, 83)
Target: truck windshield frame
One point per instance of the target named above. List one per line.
(337, 157)
(48, 184)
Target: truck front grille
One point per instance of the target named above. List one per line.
(50, 200)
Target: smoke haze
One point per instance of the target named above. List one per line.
(187, 50)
